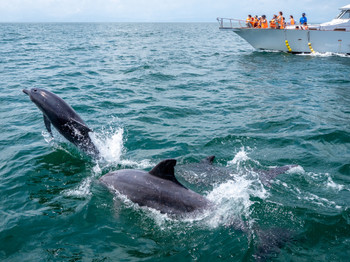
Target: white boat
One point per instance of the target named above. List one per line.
(333, 36)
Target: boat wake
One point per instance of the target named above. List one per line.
(327, 54)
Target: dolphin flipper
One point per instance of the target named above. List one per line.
(47, 124)
(165, 170)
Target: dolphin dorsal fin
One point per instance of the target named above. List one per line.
(80, 126)
(165, 170)
(208, 160)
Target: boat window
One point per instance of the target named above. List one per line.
(340, 15)
(345, 14)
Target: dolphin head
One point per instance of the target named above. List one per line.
(44, 100)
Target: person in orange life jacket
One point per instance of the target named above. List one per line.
(249, 21)
(292, 22)
(256, 21)
(273, 22)
(280, 20)
(259, 22)
(263, 22)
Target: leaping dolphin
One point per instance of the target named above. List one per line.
(63, 117)
(158, 189)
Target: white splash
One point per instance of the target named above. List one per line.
(331, 184)
(110, 144)
(81, 191)
(239, 158)
(321, 201)
(326, 54)
(296, 170)
(232, 203)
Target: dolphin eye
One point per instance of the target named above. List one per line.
(35, 90)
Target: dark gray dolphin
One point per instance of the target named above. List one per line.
(158, 189)
(206, 174)
(63, 117)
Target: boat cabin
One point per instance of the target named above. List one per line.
(340, 23)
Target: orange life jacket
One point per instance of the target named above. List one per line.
(280, 21)
(256, 22)
(273, 23)
(264, 23)
(292, 21)
(250, 20)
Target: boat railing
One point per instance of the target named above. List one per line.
(230, 23)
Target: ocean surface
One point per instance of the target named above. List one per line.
(185, 91)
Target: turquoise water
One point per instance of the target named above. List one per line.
(184, 91)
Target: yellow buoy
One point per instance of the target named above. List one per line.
(288, 46)
(312, 50)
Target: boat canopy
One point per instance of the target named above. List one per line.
(347, 7)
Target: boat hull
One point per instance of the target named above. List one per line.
(299, 41)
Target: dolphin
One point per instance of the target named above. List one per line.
(205, 173)
(63, 117)
(158, 189)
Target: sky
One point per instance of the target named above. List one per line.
(161, 10)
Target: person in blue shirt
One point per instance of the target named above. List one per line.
(303, 19)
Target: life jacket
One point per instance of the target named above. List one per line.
(259, 24)
(264, 23)
(280, 21)
(273, 23)
(250, 20)
(256, 22)
(292, 22)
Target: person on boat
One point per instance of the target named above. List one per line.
(263, 22)
(305, 27)
(292, 22)
(297, 28)
(303, 19)
(250, 21)
(259, 22)
(273, 22)
(256, 21)
(280, 20)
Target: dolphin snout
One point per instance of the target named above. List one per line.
(26, 91)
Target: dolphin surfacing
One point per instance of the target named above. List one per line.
(62, 116)
(158, 189)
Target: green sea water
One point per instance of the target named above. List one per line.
(184, 91)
